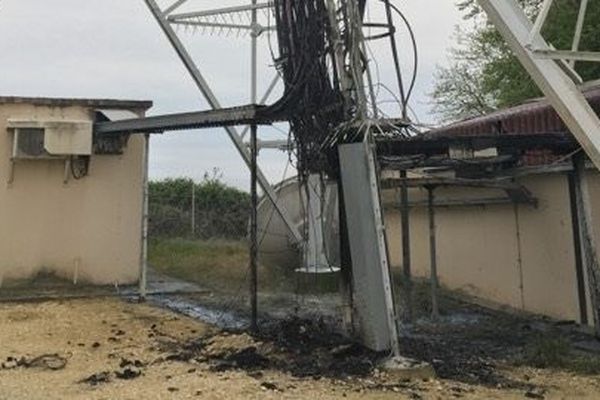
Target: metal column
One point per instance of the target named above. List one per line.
(406, 255)
(435, 311)
(144, 248)
(254, 229)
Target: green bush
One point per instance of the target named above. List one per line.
(221, 211)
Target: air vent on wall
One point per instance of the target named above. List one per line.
(29, 143)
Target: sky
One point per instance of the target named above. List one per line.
(115, 49)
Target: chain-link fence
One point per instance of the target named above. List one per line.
(182, 208)
(198, 233)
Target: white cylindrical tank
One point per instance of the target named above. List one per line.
(277, 247)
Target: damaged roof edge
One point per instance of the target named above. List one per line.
(82, 102)
(533, 117)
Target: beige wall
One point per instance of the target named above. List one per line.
(89, 228)
(521, 257)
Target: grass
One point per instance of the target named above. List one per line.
(216, 264)
(555, 352)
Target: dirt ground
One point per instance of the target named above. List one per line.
(116, 349)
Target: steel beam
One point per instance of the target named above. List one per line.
(174, 7)
(215, 25)
(173, 122)
(511, 21)
(210, 97)
(221, 11)
(589, 56)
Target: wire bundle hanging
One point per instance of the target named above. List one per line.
(324, 86)
(312, 97)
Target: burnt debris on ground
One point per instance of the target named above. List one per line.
(302, 348)
(51, 362)
(471, 345)
(128, 369)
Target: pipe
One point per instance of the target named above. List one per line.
(254, 230)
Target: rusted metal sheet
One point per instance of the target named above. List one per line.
(535, 117)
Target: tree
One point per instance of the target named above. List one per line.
(483, 75)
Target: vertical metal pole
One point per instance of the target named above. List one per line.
(254, 55)
(345, 264)
(406, 256)
(435, 312)
(590, 255)
(254, 230)
(193, 209)
(253, 189)
(144, 248)
(577, 248)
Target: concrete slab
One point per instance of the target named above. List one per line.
(52, 288)
(404, 368)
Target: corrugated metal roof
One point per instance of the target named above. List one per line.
(535, 117)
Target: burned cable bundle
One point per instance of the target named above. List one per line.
(312, 99)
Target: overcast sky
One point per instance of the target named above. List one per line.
(114, 49)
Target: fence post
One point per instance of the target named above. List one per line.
(435, 312)
(193, 209)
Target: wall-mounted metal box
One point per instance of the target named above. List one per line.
(49, 139)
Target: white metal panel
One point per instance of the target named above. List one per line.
(117, 115)
(68, 138)
(373, 299)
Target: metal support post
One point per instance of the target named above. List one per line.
(406, 256)
(144, 245)
(254, 54)
(588, 246)
(214, 103)
(193, 209)
(254, 229)
(435, 311)
(345, 265)
(262, 101)
(578, 249)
